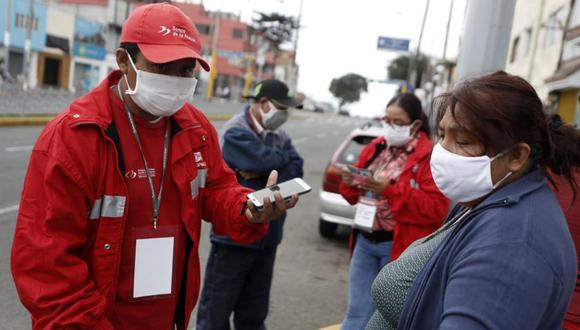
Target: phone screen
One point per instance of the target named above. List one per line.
(286, 189)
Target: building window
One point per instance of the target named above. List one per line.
(524, 44)
(553, 27)
(204, 29)
(238, 34)
(515, 49)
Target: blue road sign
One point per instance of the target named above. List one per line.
(397, 44)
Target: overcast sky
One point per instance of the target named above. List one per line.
(340, 36)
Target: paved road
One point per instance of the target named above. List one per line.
(310, 283)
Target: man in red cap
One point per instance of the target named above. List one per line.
(109, 222)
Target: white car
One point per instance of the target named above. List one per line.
(334, 209)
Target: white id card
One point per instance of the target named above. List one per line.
(153, 267)
(364, 217)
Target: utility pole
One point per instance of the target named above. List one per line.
(293, 81)
(214, 57)
(297, 32)
(447, 31)
(7, 39)
(487, 36)
(27, 45)
(414, 60)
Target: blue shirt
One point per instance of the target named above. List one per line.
(510, 264)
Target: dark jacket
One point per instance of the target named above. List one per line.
(511, 264)
(246, 150)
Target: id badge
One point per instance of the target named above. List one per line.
(154, 262)
(364, 217)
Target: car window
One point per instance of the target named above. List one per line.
(350, 153)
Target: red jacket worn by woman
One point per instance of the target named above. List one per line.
(417, 204)
(68, 237)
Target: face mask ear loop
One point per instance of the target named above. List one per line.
(130, 91)
(495, 186)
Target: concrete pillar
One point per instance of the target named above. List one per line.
(485, 42)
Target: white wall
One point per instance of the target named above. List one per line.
(545, 60)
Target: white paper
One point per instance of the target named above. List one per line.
(153, 267)
(365, 216)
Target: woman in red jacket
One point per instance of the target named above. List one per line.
(401, 200)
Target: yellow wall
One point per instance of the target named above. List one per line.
(567, 105)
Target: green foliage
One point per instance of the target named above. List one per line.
(348, 88)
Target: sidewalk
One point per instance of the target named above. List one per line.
(39, 106)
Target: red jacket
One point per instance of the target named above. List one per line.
(417, 211)
(571, 209)
(67, 241)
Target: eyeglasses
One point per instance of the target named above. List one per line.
(397, 122)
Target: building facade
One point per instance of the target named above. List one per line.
(564, 84)
(536, 41)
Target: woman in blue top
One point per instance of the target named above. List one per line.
(505, 258)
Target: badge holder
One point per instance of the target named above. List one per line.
(152, 275)
(366, 210)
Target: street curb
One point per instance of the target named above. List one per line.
(42, 120)
(8, 121)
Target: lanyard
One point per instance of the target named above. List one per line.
(155, 200)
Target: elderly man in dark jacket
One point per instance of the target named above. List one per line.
(238, 277)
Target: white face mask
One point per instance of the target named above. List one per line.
(397, 136)
(158, 94)
(460, 178)
(274, 118)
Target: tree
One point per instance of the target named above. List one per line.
(276, 28)
(348, 88)
(397, 69)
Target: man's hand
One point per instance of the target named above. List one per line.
(376, 186)
(270, 211)
(247, 175)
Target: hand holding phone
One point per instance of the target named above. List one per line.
(270, 208)
(360, 175)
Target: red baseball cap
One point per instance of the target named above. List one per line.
(163, 33)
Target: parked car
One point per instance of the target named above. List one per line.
(334, 209)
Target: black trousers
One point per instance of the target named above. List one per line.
(238, 281)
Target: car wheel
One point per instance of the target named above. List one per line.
(327, 229)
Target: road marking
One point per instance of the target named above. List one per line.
(300, 140)
(321, 135)
(19, 148)
(9, 209)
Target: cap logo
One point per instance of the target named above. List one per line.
(164, 30)
(176, 32)
(257, 90)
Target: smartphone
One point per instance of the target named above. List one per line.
(286, 189)
(360, 171)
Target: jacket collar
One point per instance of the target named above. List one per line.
(514, 191)
(95, 107)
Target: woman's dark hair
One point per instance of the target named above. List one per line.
(501, 110)
(412, 106)
(132, 49)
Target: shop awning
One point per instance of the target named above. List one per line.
(57, 42)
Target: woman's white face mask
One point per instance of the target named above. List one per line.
(158, 94)
(398, 135)
(461, 178)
